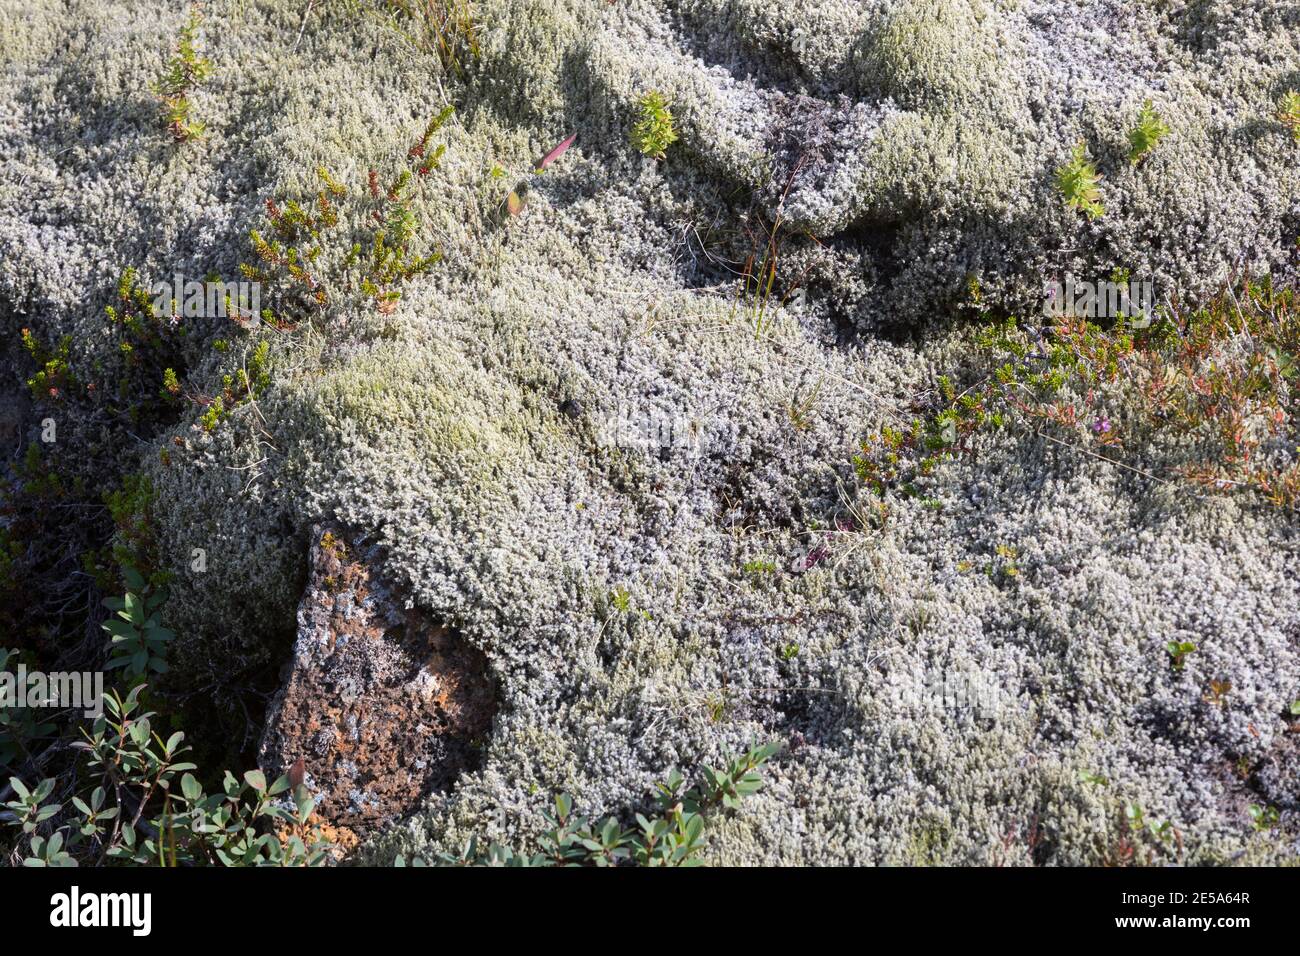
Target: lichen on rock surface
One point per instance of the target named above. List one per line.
(495, 442)
(382, 706)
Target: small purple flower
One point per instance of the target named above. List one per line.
(816, 556)
(809, 561)
(1101, 426)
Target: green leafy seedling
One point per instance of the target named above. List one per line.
(654, 132)
(1079, 183)
(1178, 651)
(1144, 137)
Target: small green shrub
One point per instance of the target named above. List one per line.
(1222, 417)
(135, 800)
(1079, 183)
(1178, 651)
(171, 385)
(53, 377)
(213, 414)
(185, 71)
(672, 836)
(1288, 112)
(101, 406)
(21, 728)
(148, 346)
(140, 804)
(653, 131)
(1263, 817)
(138, 639)
(129, 505)
(1147, 134)
(620, 600)
(1146, 840)
(304, 251)
(240, 387)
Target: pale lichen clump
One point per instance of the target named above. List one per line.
(947, 55)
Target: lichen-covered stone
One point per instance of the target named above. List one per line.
(379, 707)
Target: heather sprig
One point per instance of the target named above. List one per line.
(303, 240)
(185, 71)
